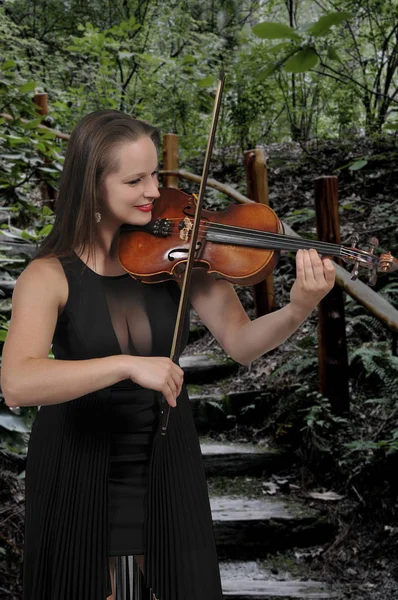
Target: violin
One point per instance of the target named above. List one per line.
(241, 244)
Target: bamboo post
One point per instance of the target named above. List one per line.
(48, 193)
(40, 99)
(170, 159)
(332, 347)
(257, 190)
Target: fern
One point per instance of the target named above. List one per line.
(367, 322)
(390, 292)
(378, 361)
(298, 364)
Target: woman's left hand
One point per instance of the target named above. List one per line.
(314, 279)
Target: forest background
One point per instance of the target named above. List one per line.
(315, 84)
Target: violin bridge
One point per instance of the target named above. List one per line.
(185, 229)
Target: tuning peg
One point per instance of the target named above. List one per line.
(354, 239)
(355, 271)
(386, 262)
(373, 243)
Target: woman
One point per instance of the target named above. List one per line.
(99, 399)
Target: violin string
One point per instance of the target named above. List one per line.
(276, 241)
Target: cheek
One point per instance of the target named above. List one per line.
(117, 196)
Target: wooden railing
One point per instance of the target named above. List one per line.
(332, 347)
(333, 363)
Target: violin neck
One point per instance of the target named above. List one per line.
(241, 236)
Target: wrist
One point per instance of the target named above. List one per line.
(298, 313)
(124, 366)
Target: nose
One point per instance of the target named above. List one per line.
(151, 190)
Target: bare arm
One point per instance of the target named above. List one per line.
(244, 340)
(30, 378)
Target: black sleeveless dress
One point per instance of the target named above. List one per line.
(87, 464)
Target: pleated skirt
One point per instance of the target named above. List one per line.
(86, 475)
(85, 491)
(132, 422)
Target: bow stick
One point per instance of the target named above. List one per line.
(183, 305)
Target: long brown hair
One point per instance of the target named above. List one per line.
(89, 158)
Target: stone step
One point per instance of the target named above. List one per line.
(222, 459)
(204, 368)
(252, 528)
(254, 581)
(219, 412)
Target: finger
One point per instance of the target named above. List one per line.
(317, 266)
(300, 274)
(177, 382)
(308, 270)
(178, 377)
(169, 395)
(173, 383)
(329, 270)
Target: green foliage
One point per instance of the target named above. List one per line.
(378, 365)
(274, 31)
(302, 61)
(302, 361)
(324, 24)
(319, 417)
(299, 59)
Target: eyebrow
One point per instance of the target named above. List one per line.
(137, 175)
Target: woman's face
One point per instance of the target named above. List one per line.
(129, 192)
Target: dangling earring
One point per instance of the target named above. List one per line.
(97, 216)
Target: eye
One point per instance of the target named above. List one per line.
(134, 181)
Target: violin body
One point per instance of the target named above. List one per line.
(240, 244)
(159, 251)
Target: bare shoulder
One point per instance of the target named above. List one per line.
(44, 277)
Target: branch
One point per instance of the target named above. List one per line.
(367, 90)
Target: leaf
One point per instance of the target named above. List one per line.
(332, 54)
(13, 423)
(46, 229)
(206, 82)
(391, 126)
(188, 58)
(322, 26)
(333, 496)
(274, 31)
(32, 124)
(125, 55)
(302, 61)
(270, 69)
(9, 64)
(3, 335)
(358, 165)
(48, 170)
(27, 87)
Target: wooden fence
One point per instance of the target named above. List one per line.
(332, 348)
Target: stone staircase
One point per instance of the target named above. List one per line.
(257, 535)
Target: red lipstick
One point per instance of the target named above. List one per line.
(145, 207)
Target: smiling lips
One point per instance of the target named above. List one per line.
(145, 207)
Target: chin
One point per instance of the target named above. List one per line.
(140, 219)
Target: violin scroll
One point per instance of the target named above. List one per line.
(385, 263)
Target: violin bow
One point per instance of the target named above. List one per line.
(183, 305)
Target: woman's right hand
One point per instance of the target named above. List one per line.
(157, 373)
